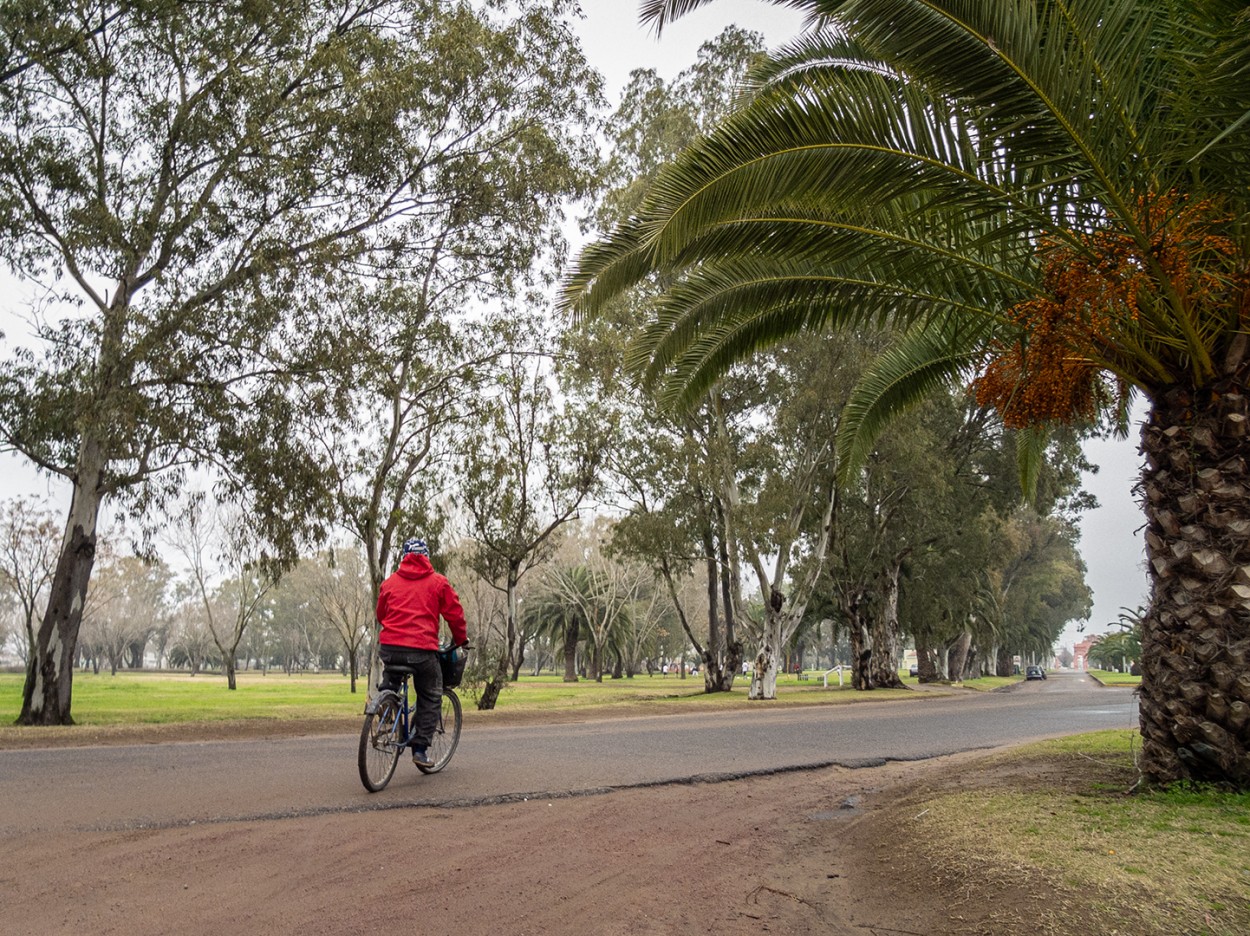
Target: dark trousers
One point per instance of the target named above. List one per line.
(427, 685)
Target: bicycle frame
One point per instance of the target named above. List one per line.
(404, 713)
(389, 735)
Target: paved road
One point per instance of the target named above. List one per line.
(179, 784)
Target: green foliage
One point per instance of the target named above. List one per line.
(211, 183)
(904, 162)
(530, 465)
(1116, 651)
(210, 195)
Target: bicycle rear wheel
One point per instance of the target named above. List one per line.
(445, 739)
(379, 745)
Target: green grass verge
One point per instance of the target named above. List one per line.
(163, 698)
(1108, 678)
(1174, 861)
(135, 698)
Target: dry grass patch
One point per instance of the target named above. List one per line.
(1055, 820)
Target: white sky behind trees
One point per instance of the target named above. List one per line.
(615, 44)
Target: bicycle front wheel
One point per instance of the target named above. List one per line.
(379, 746)
(445, 739)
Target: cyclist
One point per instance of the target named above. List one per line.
(410, 603)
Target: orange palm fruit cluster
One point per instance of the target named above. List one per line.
(1103, 296)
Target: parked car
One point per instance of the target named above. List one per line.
(913, 670)
(1034, 672)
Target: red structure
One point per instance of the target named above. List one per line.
(1080, 652)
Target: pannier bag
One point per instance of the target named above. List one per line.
(453, 660)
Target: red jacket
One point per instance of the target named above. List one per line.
(410, 602)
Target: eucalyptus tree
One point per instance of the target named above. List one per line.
(196, 182)
(231, 572)
(29, 544)
(660, 471)
(778, 491)
(1040, 579)
(346, 601)
(525, 470)
(882, 519)
(128, 604)
(1051, 195)
(509, 128)
(657, 475)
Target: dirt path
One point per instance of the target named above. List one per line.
(820, 851)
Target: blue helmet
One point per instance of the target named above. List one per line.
(416, 545)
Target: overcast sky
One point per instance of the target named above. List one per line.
(615, 44)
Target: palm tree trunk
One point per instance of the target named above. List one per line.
(1195, 693)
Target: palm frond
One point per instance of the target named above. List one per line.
(659, 13)
(903, 162)
(935, 353)
(1030, 456)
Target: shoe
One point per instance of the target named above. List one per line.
(420, 758)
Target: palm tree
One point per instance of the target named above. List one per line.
(549, 616)
(1047, 198)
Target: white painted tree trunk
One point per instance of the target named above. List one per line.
(767, 661)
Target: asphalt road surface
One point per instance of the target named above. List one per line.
(180, 784)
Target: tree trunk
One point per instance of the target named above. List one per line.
(490, 692)
(46, 696)
(1195, 692)
(711, 655)
(1003, 663)
(887, 640)
(764, 677)
(957, 656)
(733, 646)
(596, 663)
(517, 661)
(861, 641)
(571, 635)
(926, 660)
(972, 663)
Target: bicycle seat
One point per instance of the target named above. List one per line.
(400, 669)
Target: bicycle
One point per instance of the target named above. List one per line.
(384, 735)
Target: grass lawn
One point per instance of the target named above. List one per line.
(157, 698)
(1160, 861)
(1108, 678)
(162, 698)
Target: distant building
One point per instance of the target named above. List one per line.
(1080, 653)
